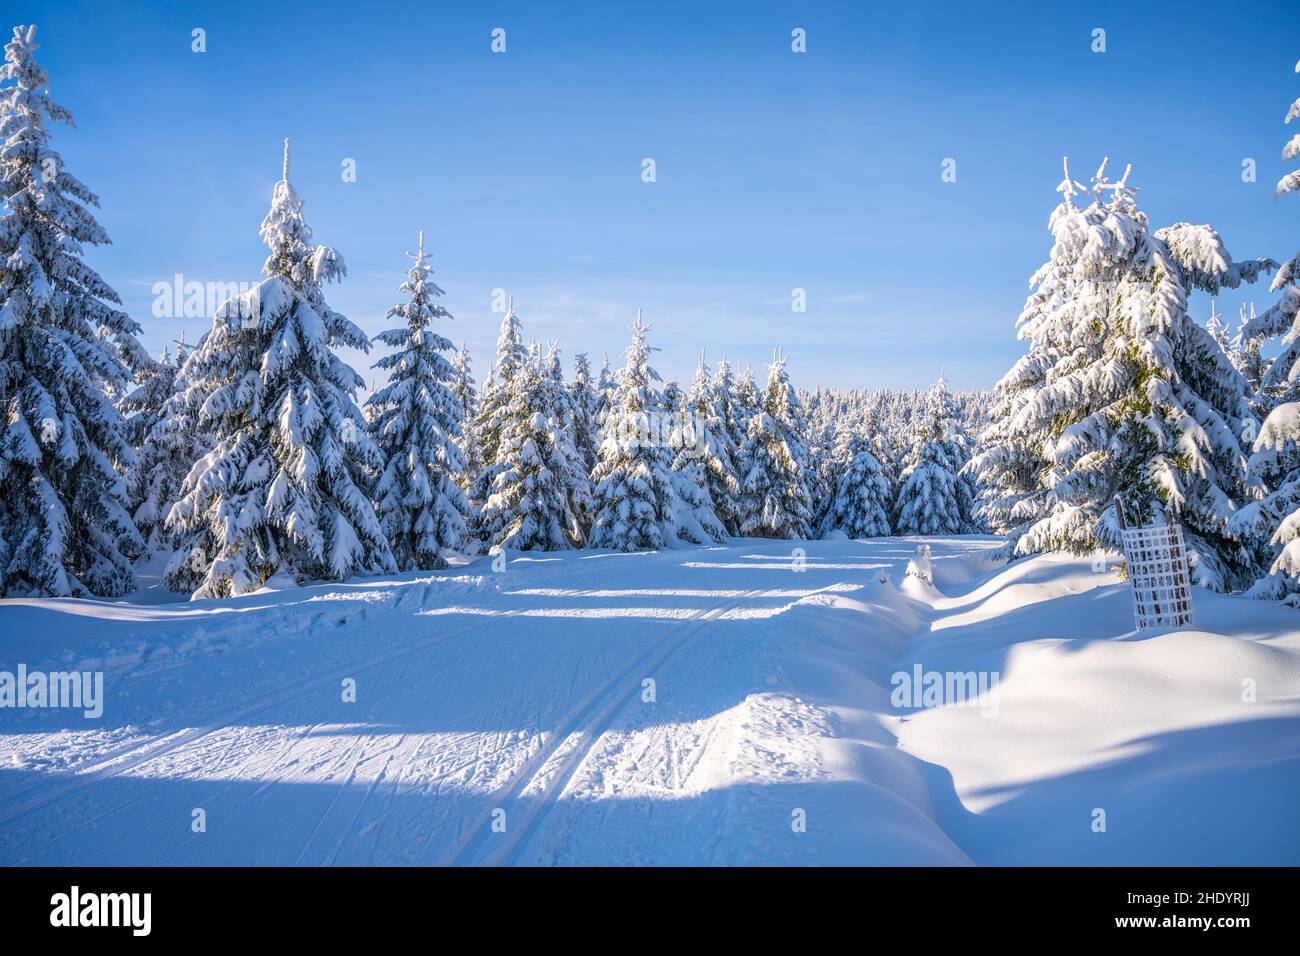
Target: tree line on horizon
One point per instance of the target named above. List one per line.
(246, 458)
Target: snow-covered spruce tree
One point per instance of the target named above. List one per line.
(467, 396)
(831, 419)
(958, 445)
(493, 408)
(605, 385)
(1206, 406)
(1276, 458)
(283, 489)
(1283, 317)
(576, 477)
(672, 422)
(166, 444)
(1218, 329)
(884, 453)
(1247, 356)
(934, 497)
(1215, 479)
(634, 502)
(64, 524)
(715, 447)
(747, 402)
(737, 403)
(527, 507)
(583, 400)
(734, 423)
(1122, 393)
(674, 401)
(415, 422)
(1013, 465)
(827, 459)
(774, 499)
(142, 405)
(1009, 470)
(1276, 462)
(861, 501)
(697, 519)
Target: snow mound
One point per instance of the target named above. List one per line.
(724, 705)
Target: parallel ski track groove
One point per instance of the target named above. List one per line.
(135, 755)
(589, 721)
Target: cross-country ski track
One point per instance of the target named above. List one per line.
(726, 705)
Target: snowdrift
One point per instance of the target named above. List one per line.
(740, 704)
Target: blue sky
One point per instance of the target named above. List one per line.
(775, 170)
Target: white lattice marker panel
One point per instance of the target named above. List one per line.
(1157, 569)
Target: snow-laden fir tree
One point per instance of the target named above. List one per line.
(576, 476)
(697, 518)
(283, 490)
(713, 443)
(605, 385)
(511, 355)
(862, 498)
(64, 524)
(1200, 400)
(527, 506)
(462, 385)
(674, 400)
(1283, 317)
(467, 397)
(826, 460)
(734, 421)
(1218, 329)
(934, 496)
(1247, 356)
(835, 418)
(1214, 436)
(583, 403)
(747, 402)
(884, 453)
(1122, 394)
(672, 419)
(1276, 458)
(1010, 469)
(1013, 465)
(494, 404)
(1276, 519)
(634, 502)
(142, 405)
(554, 366)
(959, 447)
(167, 443)
(737, 402)
(774, 499)
(415, 422)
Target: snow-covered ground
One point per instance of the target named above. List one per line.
(506, 718)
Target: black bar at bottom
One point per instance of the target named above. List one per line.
(233, 905)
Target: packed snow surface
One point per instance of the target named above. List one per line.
(724, 705)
